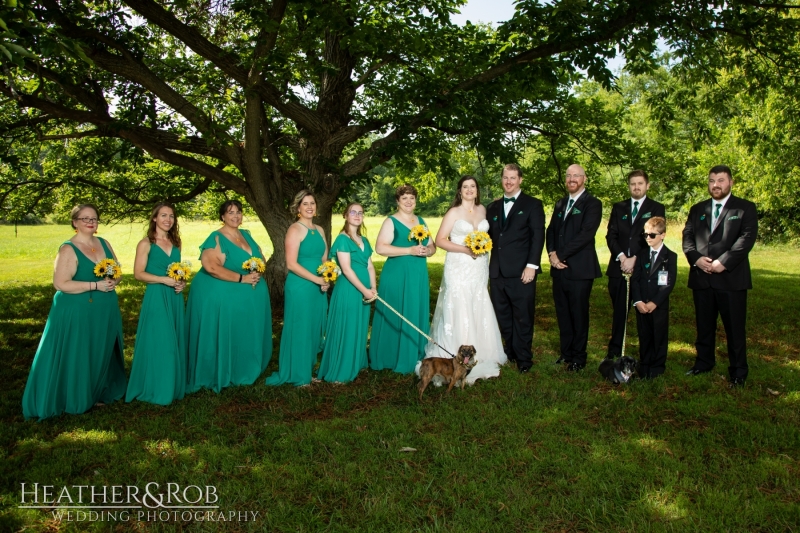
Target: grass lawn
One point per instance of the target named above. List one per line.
(547, 451)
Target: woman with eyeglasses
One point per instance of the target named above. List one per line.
(79, 361)
(404, 285)
(158, 374)
(306, 299)
(345, 352)
(228, 311)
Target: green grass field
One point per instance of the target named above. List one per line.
(547, 451)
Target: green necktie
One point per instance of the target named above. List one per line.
(716, 216)
(569, 207)
(635, 211)
(653, 255)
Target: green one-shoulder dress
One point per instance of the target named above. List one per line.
(158, 374)
(305, 311)
(79, 360)
(404, 285)
(230, 324)
(345, 352)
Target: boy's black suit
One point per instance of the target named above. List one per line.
(653, 327)
(517, 240)
(725, 293)
(624, 235)
(572, 237)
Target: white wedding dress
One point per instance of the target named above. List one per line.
(464, 313)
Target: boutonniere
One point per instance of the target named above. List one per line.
(624, 217)
(519, 213)
(734, 217)
(495, 219)
(560, 214)
(646, 215)
(576, 211)
(702, 217)
(647, 265)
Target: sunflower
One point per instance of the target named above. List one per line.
(329, 271)
(419, 233)
(479, 242)
(108, 268)
(179, 271)
(254, 264)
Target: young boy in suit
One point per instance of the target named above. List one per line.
(653, 279)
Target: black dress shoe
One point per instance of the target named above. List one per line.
(559, 361)
(524, 369)
(736, 383)
(575, 367)
(696, 371)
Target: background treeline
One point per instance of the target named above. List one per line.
(662, 121)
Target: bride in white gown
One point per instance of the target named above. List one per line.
(464, 313)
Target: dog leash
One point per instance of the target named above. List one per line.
(627, 277)
(407, 321)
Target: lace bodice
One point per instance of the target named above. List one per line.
(462, 228)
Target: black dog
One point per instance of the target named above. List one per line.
(619, 370)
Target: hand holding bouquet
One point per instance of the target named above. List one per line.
(479, 242)
(254, 264)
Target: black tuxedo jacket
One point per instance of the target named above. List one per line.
(644, 282)
(572, 237)
(730, 242)
(623, 237)
(518, 242)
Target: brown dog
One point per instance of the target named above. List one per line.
(452, 370)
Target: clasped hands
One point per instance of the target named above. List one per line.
(709, 266)
(645, 308)
(175, 284)
(555, 262)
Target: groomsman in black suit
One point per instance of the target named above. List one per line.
(516, 226)
(625, 238)
(573, 264)
(717, 239)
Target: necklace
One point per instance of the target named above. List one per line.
(309, 229)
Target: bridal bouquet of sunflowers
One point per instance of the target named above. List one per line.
(329, 271)
(108, 268)
(179, 271)
(254, 264)
(419, 232)
(479, 242)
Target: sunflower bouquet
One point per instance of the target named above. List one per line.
(108, 268)
(419, 232)
(479, 242)
(254, 264)
(329, 271)
(179, 271)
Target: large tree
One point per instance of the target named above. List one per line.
(266, 98)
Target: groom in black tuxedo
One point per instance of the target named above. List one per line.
(717, 240)
(574, 264)
(516, 226)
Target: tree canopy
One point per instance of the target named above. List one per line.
(262, 99)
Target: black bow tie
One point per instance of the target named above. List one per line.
(506, 200)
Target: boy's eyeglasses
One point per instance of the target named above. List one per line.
(650, 235)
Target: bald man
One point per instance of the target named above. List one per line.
(573, 264)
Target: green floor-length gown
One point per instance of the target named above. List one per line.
(305, 311)
(158, 374)
(79, 360)
(404, 285)
(230, 323)
(345, 352)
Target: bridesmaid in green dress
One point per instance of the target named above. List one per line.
(404, 286)
(345, 351)
(79, 361)
(158, 374)
(228, 312)
(306, 299)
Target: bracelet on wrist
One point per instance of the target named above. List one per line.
(240, 278)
